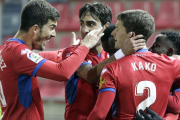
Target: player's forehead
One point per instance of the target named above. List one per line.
(89, 18)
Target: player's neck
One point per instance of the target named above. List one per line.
(97, 49)
(145, 47)
(24, 37)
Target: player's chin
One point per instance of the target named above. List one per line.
(116, 46)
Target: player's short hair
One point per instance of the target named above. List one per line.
(173, 38)
(138, 21)
(37, 12)
(107, 32)
(98, 11)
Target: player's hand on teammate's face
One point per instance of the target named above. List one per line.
(92, 38)
(74, 41)
(151, 116)
(131, 45)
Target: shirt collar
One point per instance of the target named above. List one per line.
(18, 40)
(142, 50)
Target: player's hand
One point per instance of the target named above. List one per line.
(131, 45)
(74, 41)
(92, 38)
(151, 116)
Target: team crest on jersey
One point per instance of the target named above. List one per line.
(31, 55)
(101, 82)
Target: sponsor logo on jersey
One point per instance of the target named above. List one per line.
(101, 82)
(32, 56)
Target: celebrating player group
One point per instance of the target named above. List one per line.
(109, 75)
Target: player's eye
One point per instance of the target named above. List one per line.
(90, 24)
(81, 24)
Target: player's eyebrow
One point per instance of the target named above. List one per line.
(90, 21)
(53, 25)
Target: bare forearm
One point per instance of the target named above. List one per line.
(95, 72)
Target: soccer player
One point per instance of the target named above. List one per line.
(135, 81)
(20, 97)
(82, 86)
(167, 42)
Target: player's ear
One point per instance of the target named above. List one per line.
(170, 52)
(35, 29)
(131, 34)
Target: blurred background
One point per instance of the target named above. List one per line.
(165, 12)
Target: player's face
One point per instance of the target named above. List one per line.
(88, 23)
(119, 34)
(108, 46)
(45, 35)
(160, 45)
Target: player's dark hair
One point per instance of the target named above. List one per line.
(138, 21)
(107, 32)
(98, 11)
(173, 38)
(37, 12)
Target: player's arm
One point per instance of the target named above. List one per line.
(92, 74)
(37, 66)
(174, 102)
(102, 106)
(171, 116)
(107, 92)
(54, 56)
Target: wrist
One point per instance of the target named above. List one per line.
(119, 54)
(84, 45)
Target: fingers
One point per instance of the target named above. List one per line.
(140, 41)
(59, 54)
(137, 37)
(92, 32)
(100, 35)
(138, 117)
(146, 116)
(151, 112)
(140, 44)
(73, 36)
(100, 30)
(138, 48)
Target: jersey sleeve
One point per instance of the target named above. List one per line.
(174, 102)
(55, 56)
(171, 116)
(68, 51)
(102, 106)
(26, 61)
(63, 70)
(107, 82)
